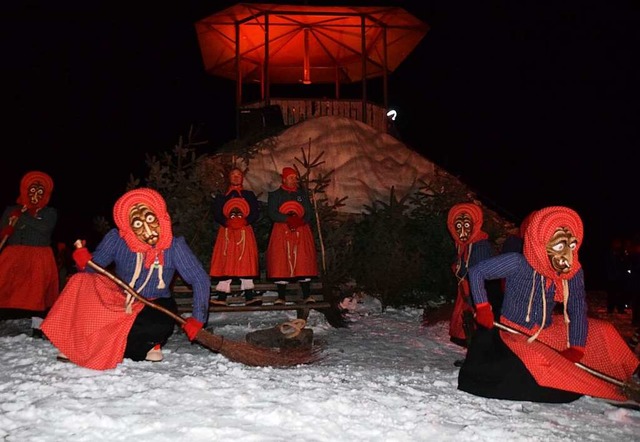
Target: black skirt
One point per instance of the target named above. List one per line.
(492, 370)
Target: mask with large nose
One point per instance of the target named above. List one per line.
(464, 226)
(145, 224)
(560, 250)
(35, 192)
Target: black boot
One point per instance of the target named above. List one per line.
(221, 299)
(469, 326)
(250, 298)
(306, 292)
(282, 294)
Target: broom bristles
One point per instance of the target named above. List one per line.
(249, 354)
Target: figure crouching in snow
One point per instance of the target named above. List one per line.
(94, 324)
(532, 353)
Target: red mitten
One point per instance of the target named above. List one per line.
(294, 221)
(574, 354)
(192, 327)
(6, 231)
(484, 315)
(236, 223)
(33, 211)
(81, 256)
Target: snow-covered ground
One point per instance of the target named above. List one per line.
(385, 378)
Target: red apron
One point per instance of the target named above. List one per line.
(235, 253)
(605, 352)
(291, 254)
(28, 278)
(88, 323)
(462, 304)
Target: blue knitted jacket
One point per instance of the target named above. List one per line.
(520, 278)
(178, 257)
(480, 250)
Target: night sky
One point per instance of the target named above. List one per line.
(531, 103)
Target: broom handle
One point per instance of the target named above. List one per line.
(4, 240)
(179, 319)
(596, 373)
(318, 225)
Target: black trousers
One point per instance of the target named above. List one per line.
(492, 370)
(151, 327)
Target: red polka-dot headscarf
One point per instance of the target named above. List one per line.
(542, 225)
(155, 202)
(524, 224)
(27, 180)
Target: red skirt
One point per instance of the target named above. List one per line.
(456, 329)
(605, 352)
(291, 254)
(235, 253)
(89, 324)
(28, 278)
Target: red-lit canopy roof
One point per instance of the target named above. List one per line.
(334, 42)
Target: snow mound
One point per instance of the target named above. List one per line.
(365, 162)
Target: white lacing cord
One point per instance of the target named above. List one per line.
(565, 297)
(136, 274)
(241, 241)
(294, 253)
(533, 288)
(459, 263)
(226, 241)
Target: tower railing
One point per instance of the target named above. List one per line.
(295, 110)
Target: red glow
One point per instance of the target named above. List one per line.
(307, 43)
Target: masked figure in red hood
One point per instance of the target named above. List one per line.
(539, 363)
(28, 269)
(291, 254)
(464, 222)
(235, 252)
(94, 324)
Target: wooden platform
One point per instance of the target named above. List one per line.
(235, 301)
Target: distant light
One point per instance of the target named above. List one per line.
(393, 114)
